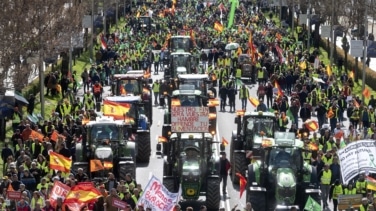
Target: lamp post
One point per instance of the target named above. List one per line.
(92, 31)
(332, 36)
(364, 48)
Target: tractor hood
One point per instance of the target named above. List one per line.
(191, 180)
(286, 186)
(103, 153)
(191, 168)
(285, 177)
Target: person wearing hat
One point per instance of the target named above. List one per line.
(324, 177)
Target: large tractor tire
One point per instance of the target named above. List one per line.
(238, 165)
(143, 148)
(258, 200)
(213, 194)
(170, 184)
(124, 167)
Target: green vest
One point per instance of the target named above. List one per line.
(244, 93)
(238, 73)
(156, 87)
(260, 74)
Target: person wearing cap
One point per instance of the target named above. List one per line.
(324, 177)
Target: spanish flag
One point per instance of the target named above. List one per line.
(243, 183)
(329, 70)
(371, 183)
(218, 26)
(240, 113)
(254, 101)
(116, 110)
(224, 141)
(279, 93)
(37, 135)
(175, 102)
(82, 193)
(162, 139)
(366, 93)
(96, 165)
(59, 162)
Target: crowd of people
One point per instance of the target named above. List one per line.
(306, 89)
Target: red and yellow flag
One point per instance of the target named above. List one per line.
(162, 139)
(366, 93)
(108, 165)
(240, 113)
(254, 101)
(96, 165)
(175, 102)
(242, 183)
(311, 125)
(224, 141)
(116, 110)
(59, 162)
(82, 193)
(329, 70)
(356, 104)
(218, 26)
(279, 92)
(212, 116)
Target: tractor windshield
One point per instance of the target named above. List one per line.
(285, 157)
(190, 100)
(100, 132)
(129, 86)
(192, 84)
(180, 43)
(256, 125)
(181, 64)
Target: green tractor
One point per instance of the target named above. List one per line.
(252, 127)
(278, 176)
(111, 142)
(190, 163)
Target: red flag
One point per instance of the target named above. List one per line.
(54, 135)
(224, 141)
(103, 42)
(279, 93)
(243, 183)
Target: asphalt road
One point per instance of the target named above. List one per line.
(225, 126)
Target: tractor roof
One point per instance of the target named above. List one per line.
(281, 139)
(183, 53)
(105, 120)
(124, 99)
(259, 114)
(181, 36)
(191, 135)
(193, 76)
(186, 92)
(135, 75)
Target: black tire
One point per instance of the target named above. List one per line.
(170, 184)
(126, 168)
(213, 194)
(257, 199)
(143, 148)
(238, 165)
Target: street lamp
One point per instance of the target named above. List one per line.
(365, 36)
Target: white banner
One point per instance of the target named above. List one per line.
(189, 119)
(357, 157)
(157, 197)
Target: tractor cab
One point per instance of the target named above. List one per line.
(145, 23)
(131, 83)
(180, 44)
(180, 63)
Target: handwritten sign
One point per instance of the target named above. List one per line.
(14, 195)
(157, 196)
(119, 204)
(59, 190)
(357, 157)
(189, 119)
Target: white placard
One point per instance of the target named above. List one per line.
(356, 48)
(325, 31)
(357, 157)
(189, 119)
(303, 19)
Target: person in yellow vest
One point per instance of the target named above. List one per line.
(350, 190)
(156, 63)
(327, 158)
(335, 191)
(361, 185)
(364, 206)
(89, 105)
(43, 183)
(67, 109)
(238, 76)
(243, 96)
(155, 87)
(307, 157)
(36, 199)
(136, 195)
(260, 75)
(324, 178)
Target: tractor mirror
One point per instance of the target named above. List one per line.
(159, 148)
(222, 147)
(236, 120)
(150, 80)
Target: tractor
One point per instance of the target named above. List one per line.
(252, 127)
(278, 176)
(111, 142)
(180, 44)
(132, 89)
(145, 23)
(191, 165)
(246, 66)
(179, 63)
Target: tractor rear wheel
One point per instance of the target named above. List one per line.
(169, 183)
(213, 194)
(143, 148)
(238, 165)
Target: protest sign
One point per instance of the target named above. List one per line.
(59, 190)
(189, 119)
(158, 197)
(357, 157)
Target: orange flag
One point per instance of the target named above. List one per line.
(59, 162)
(254, 101)
(366, 93)
(240, 113)
(330, 114)
(218, 26)
(243, 183)
(96, 165)
(162, 139)
(37, 135)
(313, 146)
(54, 135)
(212, 116)
(10, 188)
(108, 165)
(224, 141)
